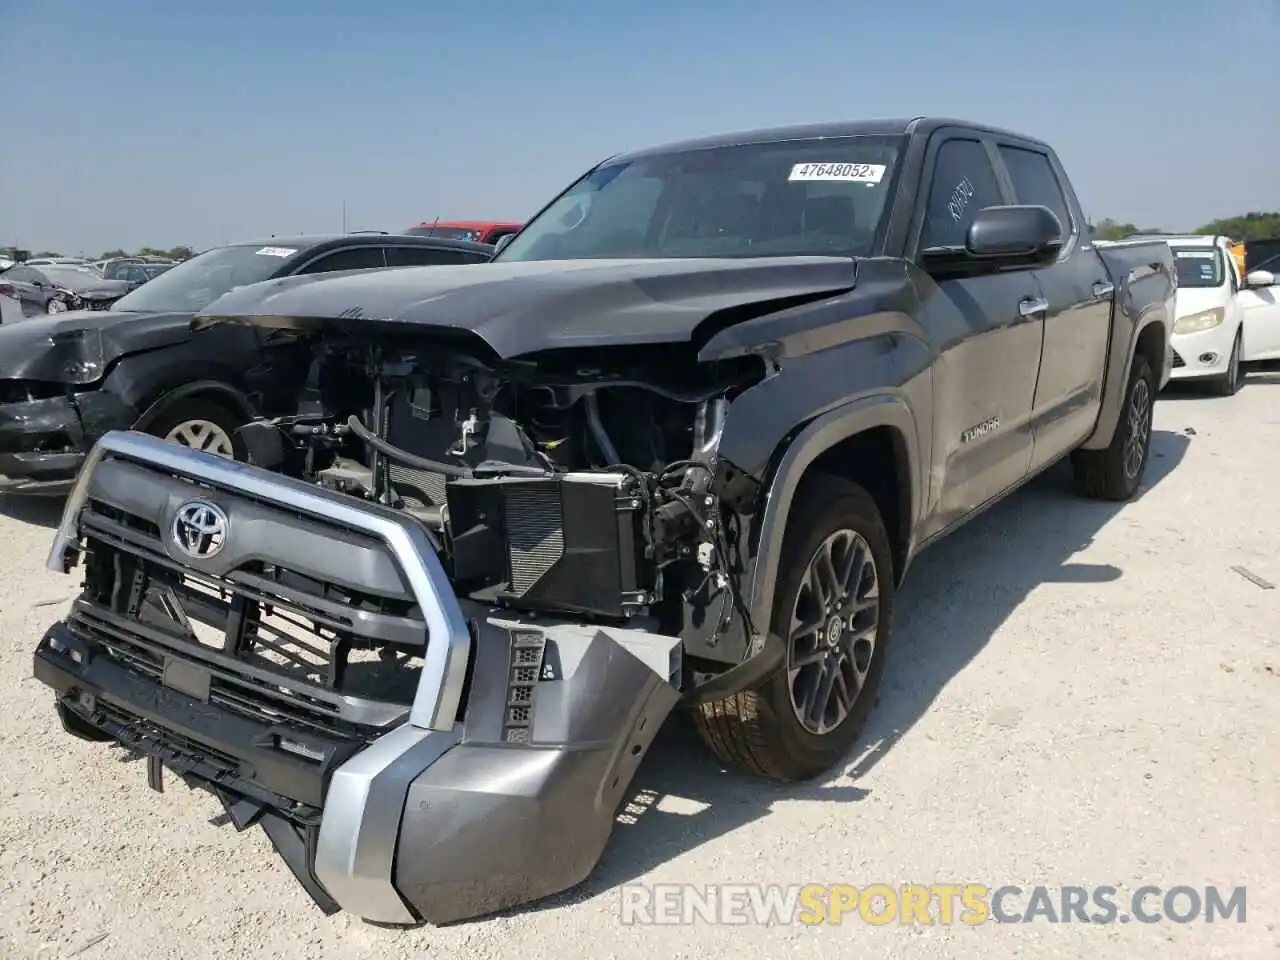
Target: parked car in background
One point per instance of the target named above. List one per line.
(56, 289)
(477, 231)
(67, 379)
(59, 262)
(136, 274)
(1260, 300)
(1208, 340)
(110, 268)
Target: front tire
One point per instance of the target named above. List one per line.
(200, 424)
(1228, 384)
(56, 305)
(1116, 472)
(832, 606)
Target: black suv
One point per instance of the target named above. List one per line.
(68, 378)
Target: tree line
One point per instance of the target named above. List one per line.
(1246, 227)
(173, 253)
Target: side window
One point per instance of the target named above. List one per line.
(430, 256)
(20, 274)
(1035, 182)
(963, 183)
(353, 258)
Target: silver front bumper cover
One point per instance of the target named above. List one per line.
(439, 692)
(355, 856)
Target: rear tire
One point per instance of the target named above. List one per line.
(1116, 472)
(834, 662)
(1228, 384)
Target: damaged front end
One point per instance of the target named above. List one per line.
(425, 639)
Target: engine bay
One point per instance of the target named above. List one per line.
(582, 484)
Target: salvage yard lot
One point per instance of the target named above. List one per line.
(1081, 693)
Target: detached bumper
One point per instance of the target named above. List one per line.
(43, 443)
(415, 825)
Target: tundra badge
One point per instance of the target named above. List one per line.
(990, 425)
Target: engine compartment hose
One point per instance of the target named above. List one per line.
(393, 452)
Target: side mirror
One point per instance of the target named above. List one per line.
(1029, 235)
(1258, 279)
(502, 242)
(1003, 237)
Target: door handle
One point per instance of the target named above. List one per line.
(1030, 306)
(1103, 288)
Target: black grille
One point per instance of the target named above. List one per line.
(1177, 360)
(278, 647)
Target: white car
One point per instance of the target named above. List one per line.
(1208, 337)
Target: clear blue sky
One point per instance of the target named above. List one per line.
(134, 122)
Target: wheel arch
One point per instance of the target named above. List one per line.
(873, 442)
(216, 391)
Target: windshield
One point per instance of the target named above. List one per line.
(790, 198)
(71, 278)
(449, 233)
(194, 284)
(1199, 266)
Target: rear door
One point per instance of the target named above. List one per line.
(1078, 295)
(988, 332)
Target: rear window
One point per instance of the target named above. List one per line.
(1199, 266)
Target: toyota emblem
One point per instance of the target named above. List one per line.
(200, 529)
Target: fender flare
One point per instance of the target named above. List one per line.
(234, 398)
(1115, 386)
(819, 436)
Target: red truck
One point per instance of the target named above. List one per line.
(477, 231)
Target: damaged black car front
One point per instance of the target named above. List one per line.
(49, 414)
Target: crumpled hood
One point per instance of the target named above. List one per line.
(522, 308)
(78, 345)
(103, 290)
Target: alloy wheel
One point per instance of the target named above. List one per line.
(202, 435)
(1139, 415)
(834, 624)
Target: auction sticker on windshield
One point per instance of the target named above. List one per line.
(842, 172)
(276, 252)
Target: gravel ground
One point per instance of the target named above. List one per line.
(1080, 694)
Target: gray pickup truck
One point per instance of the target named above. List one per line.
(676, 445)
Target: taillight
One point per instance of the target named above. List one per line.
(8, 290)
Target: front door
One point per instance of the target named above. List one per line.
(987, 333)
